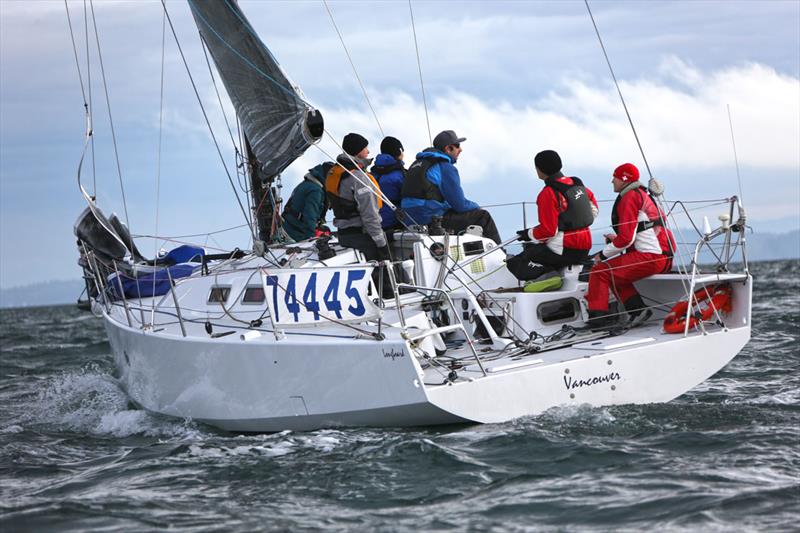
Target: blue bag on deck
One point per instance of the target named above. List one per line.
(183, 254)
(148, 285)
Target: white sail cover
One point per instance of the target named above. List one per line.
(278, 123)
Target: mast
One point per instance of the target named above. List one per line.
(277, 122)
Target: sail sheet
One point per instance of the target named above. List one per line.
(277, 122)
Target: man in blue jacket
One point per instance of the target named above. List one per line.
(432, 188)
(389, 171)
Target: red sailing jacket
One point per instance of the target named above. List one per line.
(550, 204)
(632, 207)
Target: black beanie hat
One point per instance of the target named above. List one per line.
(391, 146)
(353, 143)
(548, 162)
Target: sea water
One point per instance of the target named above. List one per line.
(75, 455)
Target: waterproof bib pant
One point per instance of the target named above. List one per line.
(537, 259)
(619, 273)
(458, 222)
(355, 238)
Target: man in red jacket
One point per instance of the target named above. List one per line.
(566, 210)
(641, 247)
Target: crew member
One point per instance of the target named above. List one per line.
(390, 171)
(306, 207)
(432, 188)
(642, 246)
(355, 198)
(566, 210)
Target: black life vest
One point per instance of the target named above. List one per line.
(416, 183)
(578, 214)
(642, 225)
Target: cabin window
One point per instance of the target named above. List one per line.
(253, 295)
(219, 295)
(564, 310)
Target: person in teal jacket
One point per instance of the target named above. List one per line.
(307, 206)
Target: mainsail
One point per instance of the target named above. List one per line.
(279, 125)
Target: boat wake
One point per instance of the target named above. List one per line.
(91, 401)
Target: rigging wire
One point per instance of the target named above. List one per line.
(355, 71)
(619, 91)
(91, 105)
(245, 190)
(158, 153)
(735, 156)
(205, 116)
(86, 106)
(75, 52)
(110, 121)
(419, 68)
(636, 136)
(216, 91)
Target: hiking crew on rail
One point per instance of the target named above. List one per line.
(642, 246)
(566, 209)
(432, 188)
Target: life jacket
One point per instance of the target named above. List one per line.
(344, 208)
(578, 214)
(416, 183)
(650, 209)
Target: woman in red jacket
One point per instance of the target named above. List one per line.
(642, 246)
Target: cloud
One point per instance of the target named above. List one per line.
(681, 126)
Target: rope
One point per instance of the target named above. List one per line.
(363, 89)
(419, 68)
(110, 119)
(205, 116)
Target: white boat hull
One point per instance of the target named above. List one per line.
(259, 387)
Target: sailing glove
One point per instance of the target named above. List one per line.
(522, 235)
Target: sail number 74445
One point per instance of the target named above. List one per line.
(308, 296)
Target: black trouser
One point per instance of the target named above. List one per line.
(354, 238)
(537, 259)
(458, 222)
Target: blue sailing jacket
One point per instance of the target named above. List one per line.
(444, 176)
(389, 172)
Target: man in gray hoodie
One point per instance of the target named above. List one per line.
(355, 199)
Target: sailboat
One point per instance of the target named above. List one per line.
(297, 336)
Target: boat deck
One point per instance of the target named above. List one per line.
(569, 349)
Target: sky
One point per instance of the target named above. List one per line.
(514, 78)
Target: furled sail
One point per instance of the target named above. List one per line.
(278, 123)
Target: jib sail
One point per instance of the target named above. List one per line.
(279, 125)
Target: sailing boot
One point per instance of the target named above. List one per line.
(638, 312)
(601, 320)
